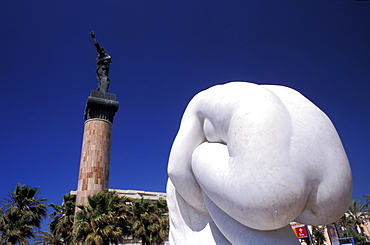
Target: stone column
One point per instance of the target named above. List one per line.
(95, 154)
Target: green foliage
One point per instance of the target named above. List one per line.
(107, 219)
(352, 221)
(103, 221)
(110, 218)
(21, 215)
(351, 232)
(357, 213)
(61, 227)
(48, 238)
(318, 237)
(150, 221)
(367, 203)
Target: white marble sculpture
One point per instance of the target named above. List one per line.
(247, 160)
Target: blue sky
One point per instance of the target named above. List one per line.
(163, 53)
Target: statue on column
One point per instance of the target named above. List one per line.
(103, 61)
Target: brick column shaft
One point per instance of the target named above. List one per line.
(95, 159)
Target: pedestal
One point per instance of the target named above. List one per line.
(95, 154)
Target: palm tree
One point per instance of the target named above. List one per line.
(357, 214)
(21, 214)
(141, 219)
(63, 219)
(318, 237)
(103, 220)
(15, 227)
(149, 221)
(160, 233)
(367, 203)
(48, 238)
(352, 221)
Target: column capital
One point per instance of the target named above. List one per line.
(101, 105)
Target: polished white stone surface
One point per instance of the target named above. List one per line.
(247, 160)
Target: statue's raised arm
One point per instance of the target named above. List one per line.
(103, 61)
(99, 49)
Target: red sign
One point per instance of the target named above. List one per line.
(300, 230)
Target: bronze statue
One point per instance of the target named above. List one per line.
(103, 61)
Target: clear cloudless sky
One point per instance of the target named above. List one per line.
(164, 52)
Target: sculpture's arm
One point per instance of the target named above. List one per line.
(190, 136)
(258, 156)
(246, 155)
(284, 158)
(96, 44)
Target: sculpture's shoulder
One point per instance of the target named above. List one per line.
(232, 92)
(283, 91)
(294, 101)
(232, 88)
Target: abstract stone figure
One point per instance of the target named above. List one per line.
(247, 160)
(103, 61)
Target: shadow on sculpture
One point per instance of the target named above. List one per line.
(249, 159)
